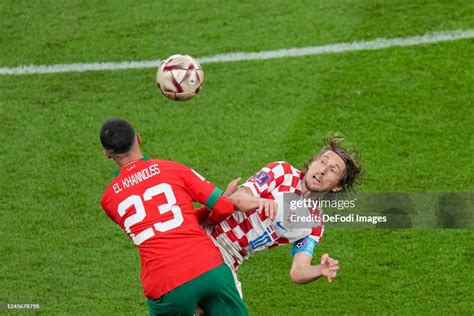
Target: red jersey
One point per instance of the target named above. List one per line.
(152, 201)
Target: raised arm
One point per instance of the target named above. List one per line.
(245, 201)
(203, 212)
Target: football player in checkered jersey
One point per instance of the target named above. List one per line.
(333, 169)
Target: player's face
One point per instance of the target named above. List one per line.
(325, 173)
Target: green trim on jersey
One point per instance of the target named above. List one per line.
(212, 200)
(117, 172)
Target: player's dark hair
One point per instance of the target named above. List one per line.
(117, 136)
(350, 156)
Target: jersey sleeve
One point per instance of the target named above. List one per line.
(317, 233)
(268, 178)
(307, 244)
(204, 192)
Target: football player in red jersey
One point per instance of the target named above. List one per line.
(333, 169)
(152, 201)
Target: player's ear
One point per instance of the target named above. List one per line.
(139, 138)
(107, 154)
(337, 188)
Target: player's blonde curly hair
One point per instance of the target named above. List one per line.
(350, 156)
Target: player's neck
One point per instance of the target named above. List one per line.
(304, 189)
(128, 160)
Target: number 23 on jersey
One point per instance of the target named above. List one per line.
(137, 202)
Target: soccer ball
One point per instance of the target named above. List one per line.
(180, 77)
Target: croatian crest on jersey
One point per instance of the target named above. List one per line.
(262, 178)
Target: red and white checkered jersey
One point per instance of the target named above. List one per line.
(242, 234)
(275, 177)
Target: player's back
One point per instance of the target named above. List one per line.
(152, 201)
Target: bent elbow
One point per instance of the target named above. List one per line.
(296, 277)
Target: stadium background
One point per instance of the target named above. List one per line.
(408, 109)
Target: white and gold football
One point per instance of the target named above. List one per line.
(180, 77)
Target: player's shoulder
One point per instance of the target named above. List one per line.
(174, 168)
(107, 195)
(281, 168)
(168, 164)
(109, 188)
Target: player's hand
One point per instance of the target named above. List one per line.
(232, 187)
(329, 267)
(270, 207)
